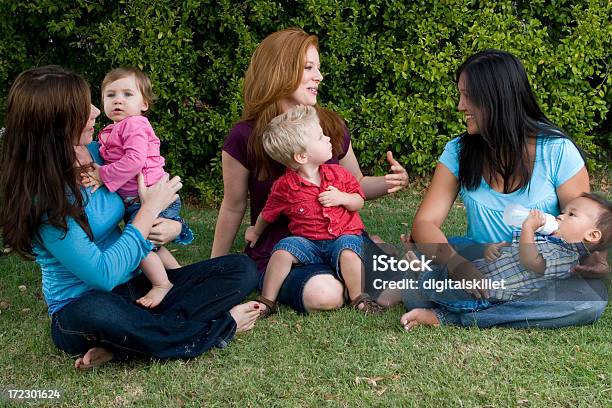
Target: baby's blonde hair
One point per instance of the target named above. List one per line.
(283, 138)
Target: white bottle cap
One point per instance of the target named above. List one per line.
(550, 226)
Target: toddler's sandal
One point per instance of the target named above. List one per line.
(271, 306)
(364, 303)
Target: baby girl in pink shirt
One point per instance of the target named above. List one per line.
(129, 146)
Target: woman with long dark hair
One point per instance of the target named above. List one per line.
(511, 153)
(89, 266)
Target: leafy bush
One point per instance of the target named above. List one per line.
(389, 64)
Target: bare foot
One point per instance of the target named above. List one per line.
(390, 297)
(94, 357)
(417, 317)
(154, 296)
(246, 314)
(408, 248)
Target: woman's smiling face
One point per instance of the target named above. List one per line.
(306, 92)
(472, 114)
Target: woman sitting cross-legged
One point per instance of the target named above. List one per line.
(89, 266)
(510, 154)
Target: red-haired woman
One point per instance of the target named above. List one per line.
(285, 72)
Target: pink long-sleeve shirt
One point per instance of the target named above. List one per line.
(130, 147)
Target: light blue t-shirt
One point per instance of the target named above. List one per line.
(73, 264)
(557, 160)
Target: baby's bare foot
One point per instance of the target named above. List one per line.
(94, 357)
(155, 296)
(245, 315)
(417, 317)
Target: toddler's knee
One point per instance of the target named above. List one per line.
(349, 256)
(284, 255)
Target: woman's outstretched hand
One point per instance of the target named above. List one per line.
(398, 177)
(160, 195)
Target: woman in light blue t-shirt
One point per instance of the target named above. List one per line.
(511, 153)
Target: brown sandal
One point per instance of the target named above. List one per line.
(271, 306)
(364, 303)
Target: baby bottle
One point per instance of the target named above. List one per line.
(515, 214)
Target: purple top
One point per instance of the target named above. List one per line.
(236, 145)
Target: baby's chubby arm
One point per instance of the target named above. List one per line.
(333, 197)
(529, 256)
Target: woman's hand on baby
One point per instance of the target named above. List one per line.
(251, 236)
(164, 231)
(398, 177)
(332, 197)
(493, 251)
(161, 194)
(91, 177)
(462, 270)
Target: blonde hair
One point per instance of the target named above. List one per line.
(275, 72)
(142, 81)
(284, 137)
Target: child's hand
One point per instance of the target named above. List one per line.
(91, 177)
(332, 197)
(251, 236)
(534, 221)
(492, 251)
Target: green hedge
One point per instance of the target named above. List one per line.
(388, 64)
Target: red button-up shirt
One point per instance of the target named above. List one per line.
(298, 199)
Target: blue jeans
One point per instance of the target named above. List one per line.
(192, 318)
(569, 302)
(452, 300)
(324, 251)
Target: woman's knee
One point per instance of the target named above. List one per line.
(588, 312)
(250, 277)
(242, 267)
(323, 292)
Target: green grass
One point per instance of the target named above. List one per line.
(337, 359)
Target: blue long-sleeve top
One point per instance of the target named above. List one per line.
(72, 264)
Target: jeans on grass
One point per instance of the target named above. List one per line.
(568, 302)
(192, 318)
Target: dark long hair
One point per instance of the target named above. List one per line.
(497, 84)
(47, 110)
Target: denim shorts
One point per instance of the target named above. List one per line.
(132, 205)
(186, 236)
(325, 251)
